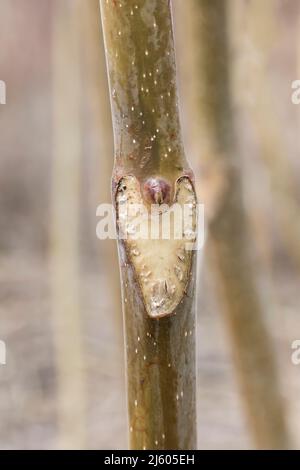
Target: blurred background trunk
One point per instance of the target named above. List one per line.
(263, 64)
(254, 28)
(99, 144)
(229, 248)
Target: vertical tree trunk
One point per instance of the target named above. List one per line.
(260, 27)
(98, 129)
(229, 247)
(158, 276)
(64, 255)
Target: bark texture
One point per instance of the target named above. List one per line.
(64, 260)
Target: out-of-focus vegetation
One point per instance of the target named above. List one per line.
(63, 384)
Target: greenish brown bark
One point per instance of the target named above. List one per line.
(160, 345)
(229, 247)
(64, 242)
